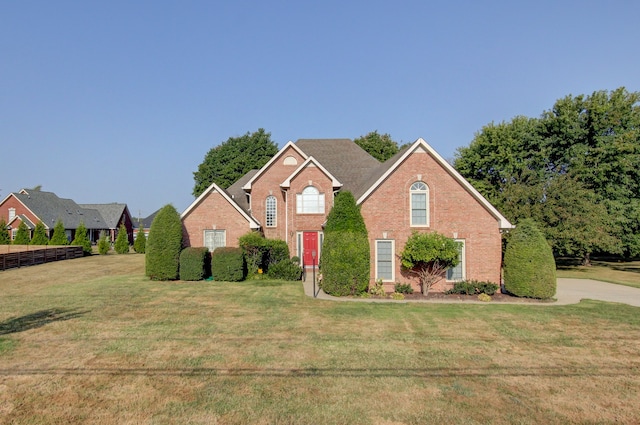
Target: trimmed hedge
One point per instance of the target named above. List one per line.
(162, 258)
(228, 264)
(193, 263)
(529, 266)
(345, 263)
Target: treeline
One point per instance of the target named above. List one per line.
(575, 170)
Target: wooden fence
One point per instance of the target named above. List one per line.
(12, 256)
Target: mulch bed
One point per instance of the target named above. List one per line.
(440, 296)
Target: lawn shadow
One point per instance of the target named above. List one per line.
(38, 319)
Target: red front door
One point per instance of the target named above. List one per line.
(310, 248)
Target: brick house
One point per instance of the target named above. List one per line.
(32, 206)
(416, 190)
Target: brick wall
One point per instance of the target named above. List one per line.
(452, 210)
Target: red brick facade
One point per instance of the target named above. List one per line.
(455, 209)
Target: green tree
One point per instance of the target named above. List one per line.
(23, 236)
(227, 162)
(345, 258)
(103, 244)
(40, 235)
(529, 267)
(428, 256)
(141, 241)
(589, 143)
(59, 235)
(162, 259)
(379, 146)
(5, 239)
(122, 240)
(81, 238)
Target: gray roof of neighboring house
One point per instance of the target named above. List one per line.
(111, 213)
(343, 158)
(50, 208)
(146, 222)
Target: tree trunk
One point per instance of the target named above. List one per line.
(586, 260)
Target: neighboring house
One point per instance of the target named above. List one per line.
(143, 224)
(31, 206)
(416, 190)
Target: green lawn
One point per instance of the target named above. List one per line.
(93, 341)
(623, 273)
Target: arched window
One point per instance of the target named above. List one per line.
(310, 201)
(419, 204)
(271, 211)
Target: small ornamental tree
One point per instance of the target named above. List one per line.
(345, 259)
(529, 267)
(140, 243)
(82, 239)
(59, 235)
(162, 259)
(40, 235)
(122, 240)
(5, 239)
(103, 244)
(428, 256)
(22, 235)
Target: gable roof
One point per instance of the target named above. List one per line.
(237, 192)
(247, 185)
(49, 208)
(311, 161)
(253, 224)
(381, 173)
(111, 213)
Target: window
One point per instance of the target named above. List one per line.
(12, 213)
(215, 239)
(457, 273)
(310, 201)
(384, 260)
(419, 204)
(271, 210)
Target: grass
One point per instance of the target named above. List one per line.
(623, 273)
(93, 341)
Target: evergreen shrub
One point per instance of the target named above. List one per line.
(162, 259)
(473, 287)
(82, 239)
(5, 239)
(122, 240)
(345, 263)
(59, 236)
(23, 236)
(228, 264)
(103, 244)
(286, 270)
(39, 235)
(193, 263)
(276, 251)
(253, 245)
(529, 266)
(140, 243)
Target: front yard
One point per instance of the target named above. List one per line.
(93, 341)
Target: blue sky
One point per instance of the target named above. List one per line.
(119, 101)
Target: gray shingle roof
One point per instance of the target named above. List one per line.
(343, 158)
(111, 213)
(238, 194)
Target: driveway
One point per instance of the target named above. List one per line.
(569, 291)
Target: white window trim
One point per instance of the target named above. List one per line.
(320, 204)
(426, 193)
(275, 211)
(204, 237)
(393, 261)
(463, 262)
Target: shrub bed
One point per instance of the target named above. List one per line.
(193, 263)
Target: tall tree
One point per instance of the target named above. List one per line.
(379, 146)
(162, 258)
(40, 235)
(584, 151)
(227, 162)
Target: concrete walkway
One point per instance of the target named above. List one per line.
(570, 291)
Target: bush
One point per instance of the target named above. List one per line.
(40, 235)
(122, 240)
(377, 289)
(275, 251)
(103, 244)
(194, 263)
(345, 263)
(529, 266)
(59, 236)
(228, 264)
(403, 288)
(253, 247)
(162, 259)
(5, 239)
(473, 287)
(82, 239)
(23, 236)
(285, 270)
